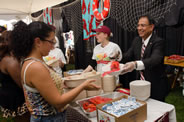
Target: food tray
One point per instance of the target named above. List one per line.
(174, 59)
(112, 95)
(107, 68)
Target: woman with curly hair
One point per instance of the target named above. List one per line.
(43, 87)
(12, 103)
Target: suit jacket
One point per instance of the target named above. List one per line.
(153, 60)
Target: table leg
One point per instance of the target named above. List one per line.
(175, 78)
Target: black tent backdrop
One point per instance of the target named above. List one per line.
(170, 28)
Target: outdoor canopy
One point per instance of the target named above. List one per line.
(24, 7)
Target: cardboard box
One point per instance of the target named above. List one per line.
(136, 115)
(112, 95)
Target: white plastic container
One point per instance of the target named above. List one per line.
(140, 89)
(96, 76)
(74, 81)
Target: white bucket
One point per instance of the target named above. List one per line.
(140, 89)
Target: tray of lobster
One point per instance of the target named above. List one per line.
(175, 59)
(88, 105)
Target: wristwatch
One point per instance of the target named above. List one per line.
(135, 64)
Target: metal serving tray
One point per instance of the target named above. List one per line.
(112, 95)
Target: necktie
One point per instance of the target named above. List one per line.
(142, 53)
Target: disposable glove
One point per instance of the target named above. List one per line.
(128, 67)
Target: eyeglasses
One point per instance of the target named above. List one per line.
(142, 25)
(50, 41)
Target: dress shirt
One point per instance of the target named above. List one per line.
(140, 64)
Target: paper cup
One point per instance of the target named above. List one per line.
(108, 83)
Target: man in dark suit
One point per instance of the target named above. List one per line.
(146, 56)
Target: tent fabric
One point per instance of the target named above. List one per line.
(12, 7)
(88, 18)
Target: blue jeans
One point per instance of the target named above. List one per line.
(60, 117)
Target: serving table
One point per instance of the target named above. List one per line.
(155, 111)
(179, 65)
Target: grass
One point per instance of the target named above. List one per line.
(176, 98)
(5, 120)
(70, 67)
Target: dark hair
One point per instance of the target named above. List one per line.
(150, 19)
(53, 27)
(2, 28)
(23, 36)
(4, 44)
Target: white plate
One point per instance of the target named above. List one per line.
(108, 68)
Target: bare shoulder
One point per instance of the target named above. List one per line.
(36, 73)
(35, 66)
(10, 61)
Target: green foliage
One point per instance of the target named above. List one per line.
(176, 98)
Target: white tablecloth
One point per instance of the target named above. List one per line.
(155, 109)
